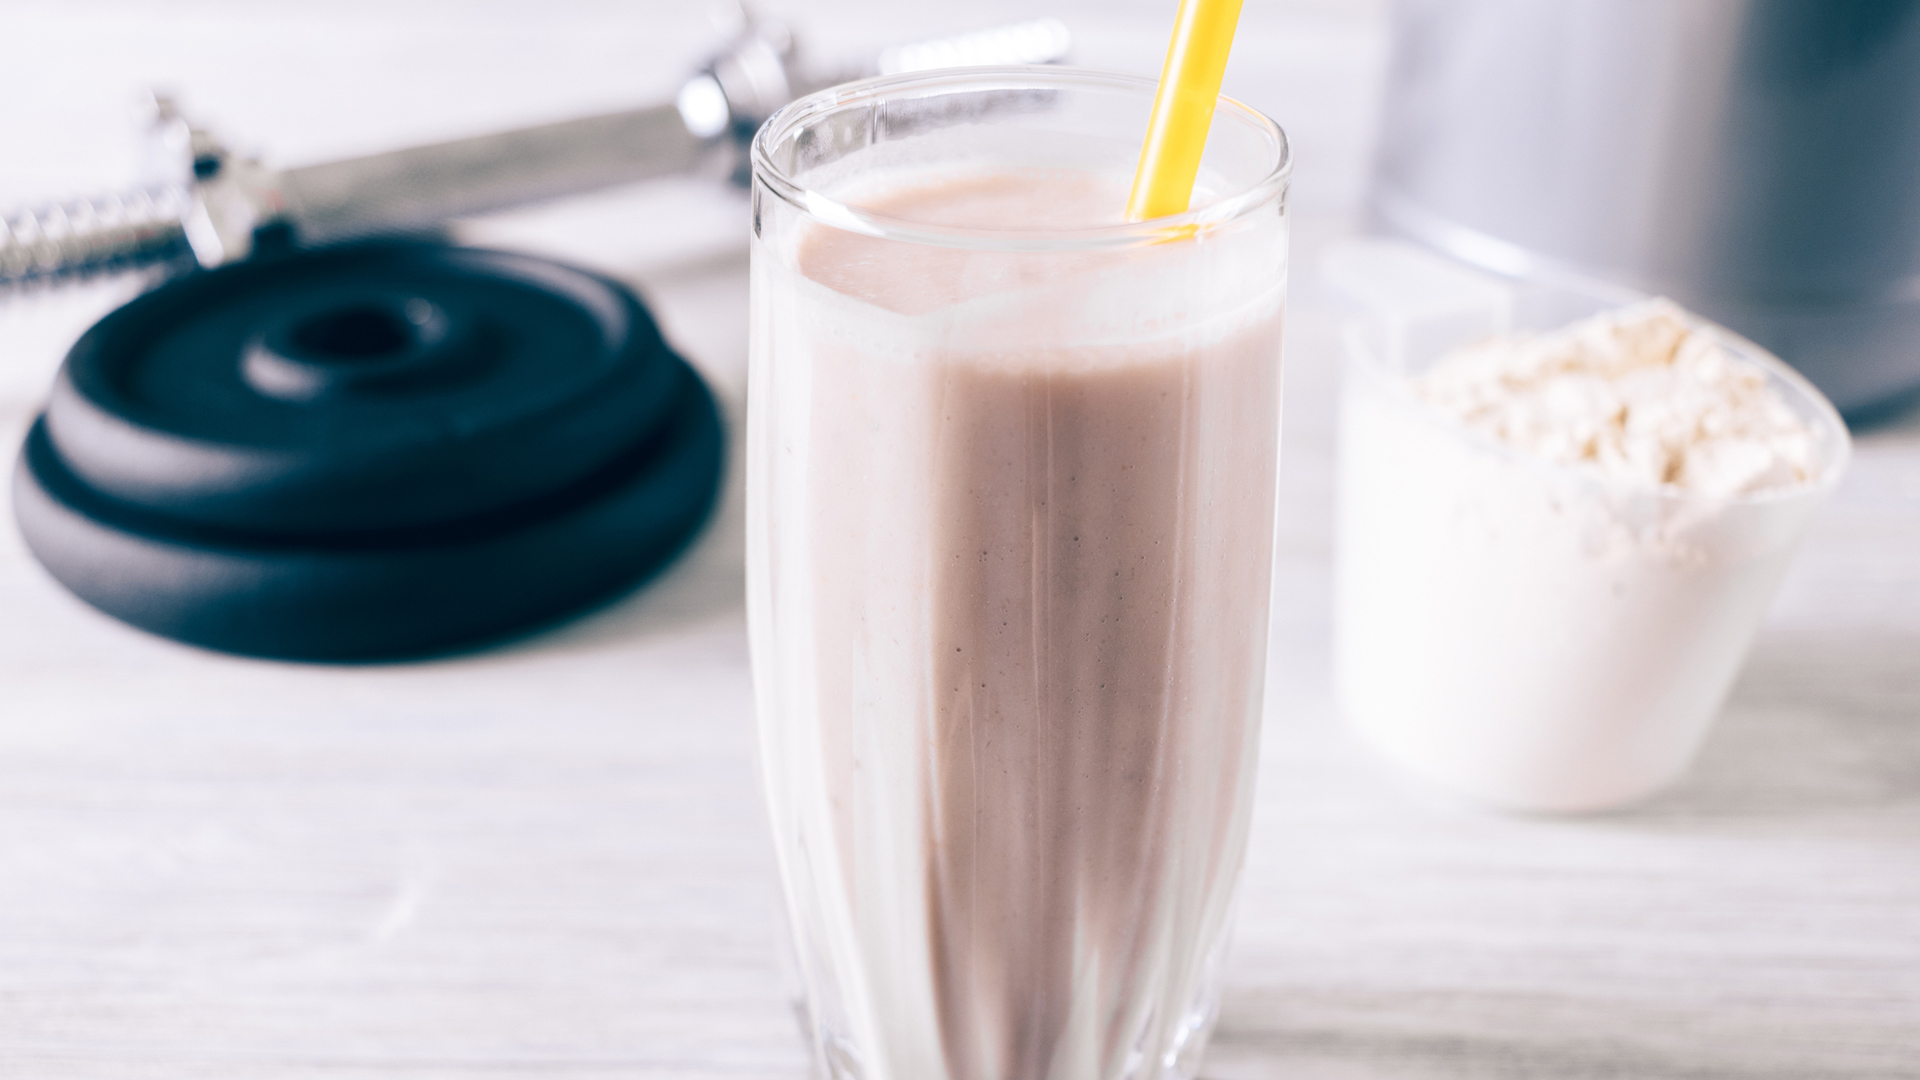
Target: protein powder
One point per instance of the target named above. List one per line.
(1554, 550)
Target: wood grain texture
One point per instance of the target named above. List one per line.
(548, 859)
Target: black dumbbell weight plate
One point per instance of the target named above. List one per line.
(366, 452)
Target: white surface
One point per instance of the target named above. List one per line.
(549, 859)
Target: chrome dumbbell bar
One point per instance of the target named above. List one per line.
(221, 201)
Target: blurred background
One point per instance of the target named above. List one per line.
(301, 83)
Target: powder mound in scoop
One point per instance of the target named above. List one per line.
(1636, 395)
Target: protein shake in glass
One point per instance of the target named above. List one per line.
(1011, 465)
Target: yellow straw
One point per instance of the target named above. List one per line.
(1183, 108)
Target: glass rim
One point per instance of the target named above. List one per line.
(1272, 185)
(1831, 432)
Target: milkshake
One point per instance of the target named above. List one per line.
(1010, 533)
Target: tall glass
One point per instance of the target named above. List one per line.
(1011, 467)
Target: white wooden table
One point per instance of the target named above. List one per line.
(548, 859)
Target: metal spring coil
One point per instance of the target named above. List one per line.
(81, 236)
